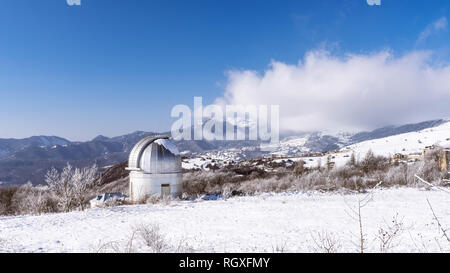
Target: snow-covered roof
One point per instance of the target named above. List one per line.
(168, 145)
(155, 154)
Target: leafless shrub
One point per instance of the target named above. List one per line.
(26, 199)
(326, 242)
(279, 247)
(143, 237)
(7, 246)
(6, 200)
(314, 179)
(152, 237)
(183, 246)
(153, 199)
(272, 184)
(346, 172)
(371, 162)
(227, 190)
(129, 245)
(108, 247)
(205, 182)
(423, 245)
(3, 209)
(299, 168)
(157, 199)
(126, 246)
(34, 200)
(427, 169)
(387, 235)
(396, 175)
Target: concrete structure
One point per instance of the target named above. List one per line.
(155, 166)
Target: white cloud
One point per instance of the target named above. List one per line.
(73, 2)
(433, 28)
(347, 93)
(374, 2)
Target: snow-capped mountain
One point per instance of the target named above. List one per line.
(11, 145)
(23, 160)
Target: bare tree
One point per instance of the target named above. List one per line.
(444, 231)
(82, 181)
(356, 214)
(60, 184)
(71, 185)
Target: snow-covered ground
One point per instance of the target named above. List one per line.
(264, 223)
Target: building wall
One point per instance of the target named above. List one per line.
(143, 185)
(444, 160)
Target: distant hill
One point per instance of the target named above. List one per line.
(28, 159)
(395, 130)
(11, 145)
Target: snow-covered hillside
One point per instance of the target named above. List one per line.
(264, 223)
(408, 143)
(294, 148)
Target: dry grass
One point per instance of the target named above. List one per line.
(355, 176)
(27, 200)
(144, 237)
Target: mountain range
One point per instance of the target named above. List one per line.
(28, 160)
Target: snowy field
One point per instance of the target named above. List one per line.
(297, 222)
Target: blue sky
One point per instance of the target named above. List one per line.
(115, 66)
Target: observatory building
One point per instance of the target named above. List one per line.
(155, 166)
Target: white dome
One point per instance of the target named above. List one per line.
(155, 155)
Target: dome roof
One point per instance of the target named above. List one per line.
(155, 154)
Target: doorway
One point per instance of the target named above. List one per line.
(165, 190)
